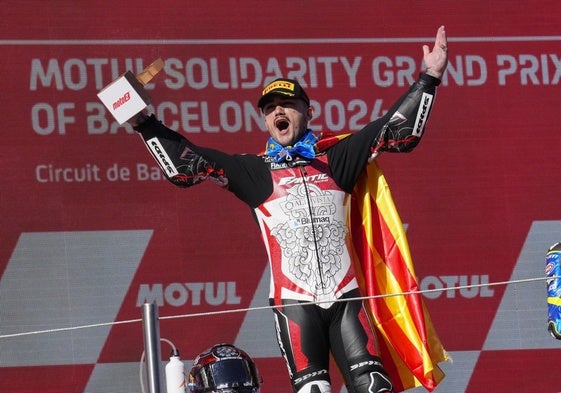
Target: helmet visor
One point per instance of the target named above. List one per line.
(227, 373)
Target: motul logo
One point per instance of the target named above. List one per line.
(189, 293)
(468, 287)
(126, 97)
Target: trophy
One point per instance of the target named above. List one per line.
(125, 96)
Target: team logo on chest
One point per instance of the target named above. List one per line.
(312, 238)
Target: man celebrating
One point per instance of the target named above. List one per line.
(301, 190)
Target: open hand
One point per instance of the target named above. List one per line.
(437, 59)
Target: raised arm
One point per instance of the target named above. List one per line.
(401, 128)
(177, 157)
(186, 164)
(436, 59)
(405, 122)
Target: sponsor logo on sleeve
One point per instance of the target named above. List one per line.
(422, 114)
(162, 157)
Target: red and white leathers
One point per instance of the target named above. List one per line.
(302, 207)
(307, 215)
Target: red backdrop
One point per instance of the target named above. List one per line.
(91, 230)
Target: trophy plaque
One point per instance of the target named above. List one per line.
(126, 96)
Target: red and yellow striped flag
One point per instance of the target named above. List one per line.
(409, 345)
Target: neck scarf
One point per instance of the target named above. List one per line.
(303, 148)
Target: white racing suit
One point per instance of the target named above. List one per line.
(302, 208)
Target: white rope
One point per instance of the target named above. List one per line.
(70, 328)
(239, 310)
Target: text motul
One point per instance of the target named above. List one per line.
(190, 293)
(468, 287)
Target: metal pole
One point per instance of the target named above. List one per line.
(152, 346)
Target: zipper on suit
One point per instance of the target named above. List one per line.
(304, 173)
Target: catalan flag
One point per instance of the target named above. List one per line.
(409, 345)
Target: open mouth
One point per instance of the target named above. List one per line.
(281, 124)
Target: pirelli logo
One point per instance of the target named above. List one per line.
(279, 85)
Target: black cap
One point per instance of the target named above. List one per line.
(281, 86)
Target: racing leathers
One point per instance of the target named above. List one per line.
(302, 208)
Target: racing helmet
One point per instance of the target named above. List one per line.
(224, 368)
